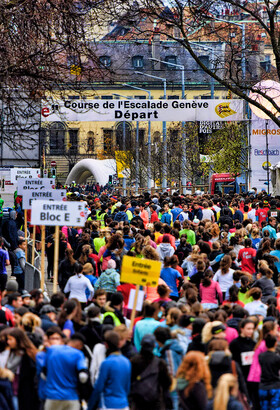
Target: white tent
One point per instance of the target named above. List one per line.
(100, 169)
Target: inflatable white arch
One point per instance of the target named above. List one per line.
(100, 169)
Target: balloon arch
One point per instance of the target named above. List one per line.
(100, 169)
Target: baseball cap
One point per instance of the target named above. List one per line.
(25, 294)
(96, 199)
(196, 221)
(261, 310)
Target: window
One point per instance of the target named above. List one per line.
(173, 97)
(72, 60)
(73, 141)
(140, 97)
(266, 65)
(90, 141)
(138, 61)
(73, 97)
(108, 141)
(105, 61)
(170, 59)
(106, 97)
(205, 60)
(57, 138)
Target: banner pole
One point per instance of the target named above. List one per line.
(55, 262)
(33, 245)
(43, 246)
(25, 231)
(133, 313)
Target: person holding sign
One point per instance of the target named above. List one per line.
(20, 261)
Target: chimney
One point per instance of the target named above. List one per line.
(156, 49)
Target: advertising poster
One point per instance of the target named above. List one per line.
(258, 150)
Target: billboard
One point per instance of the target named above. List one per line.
(259, 152)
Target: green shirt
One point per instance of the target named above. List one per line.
(190, 235)
(1, 206)
(98, 243)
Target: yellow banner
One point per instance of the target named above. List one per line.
(75, 70)
(138, 271)
(123, 159)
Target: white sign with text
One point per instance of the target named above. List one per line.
(17, 173)
(34, 184)
(143, 110)
(36, 195)
(58, 213)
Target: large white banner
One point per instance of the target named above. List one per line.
(258, 150)
(143, 110)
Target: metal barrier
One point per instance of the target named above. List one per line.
(32, 277)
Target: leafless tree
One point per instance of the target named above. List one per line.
(189, 22)
(44, 48)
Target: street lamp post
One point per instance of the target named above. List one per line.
(137, 144)
(164, 181)
(184, 157)
(123, 141)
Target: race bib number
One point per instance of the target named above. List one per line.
(274, 214)
(247, 358)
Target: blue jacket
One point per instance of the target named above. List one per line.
(271, 230)
(144, 327)
(197, 213)
(238, 215)
(121, 216)
(172, 352)
(113, 384)
(166, 218)
(128, 242)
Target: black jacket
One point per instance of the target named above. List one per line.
(138, 364)
(92, 333)
(220, 364)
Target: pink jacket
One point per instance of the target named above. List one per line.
(208, 294)
(255, 369)
(231, 334)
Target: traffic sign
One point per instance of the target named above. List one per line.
(53, 164)
(58, 213)
(140, 271)
(34, 184)
(45, 172)
(34, 195)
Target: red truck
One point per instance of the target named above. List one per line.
(217, 181)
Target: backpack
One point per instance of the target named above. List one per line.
(146, 384)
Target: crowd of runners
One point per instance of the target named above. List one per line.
(207, 336)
